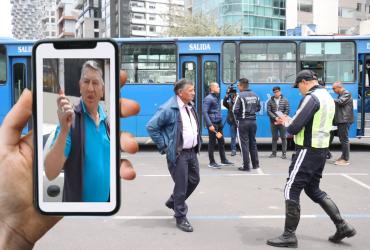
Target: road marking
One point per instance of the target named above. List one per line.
(258, 173)
(356, 181)
(237, 217)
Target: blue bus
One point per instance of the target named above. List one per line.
(154, 64)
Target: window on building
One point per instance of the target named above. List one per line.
(137, 27)
(149, 63)
(268, 62)
(137, 4)
(3, 64)
(151, 5)
(96, 24)
(53, 13)
(305, 5)
(151, 17)
(332, 61)
(152, 28)
(96, 34)
(359, 7)
(229, 63)
(138, 15)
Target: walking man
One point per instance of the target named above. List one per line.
(311, 127)
(277, 103)
(174, 129)
(212, 116)
(247, 104)
(343, 119)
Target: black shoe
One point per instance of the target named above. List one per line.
(184, 225)
(288, 238)
(170, 204)
(273, 155)
(233, 152)
(214, 165)
(226, 162)
(244, 169)
(256, 167)
(328, 155)
(343, 228)
(283, 156)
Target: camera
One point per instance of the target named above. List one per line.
(231, 89)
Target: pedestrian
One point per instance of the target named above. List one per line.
(175, 131)
(228, 103)
(213, 118)
(311, 127)
(247, 104)
(343, 119)
(278, 103)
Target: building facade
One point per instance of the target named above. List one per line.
(89, 18)
(25, 19)
(327, 17)
(66, 18)
(254, 17)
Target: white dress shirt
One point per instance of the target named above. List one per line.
(189, 125)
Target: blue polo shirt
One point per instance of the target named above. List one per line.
(96, 169)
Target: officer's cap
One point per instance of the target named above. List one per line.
(305, 74)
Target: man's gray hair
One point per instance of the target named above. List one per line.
(94, 65)
(181, 84)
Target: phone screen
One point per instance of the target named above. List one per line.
(76, 91)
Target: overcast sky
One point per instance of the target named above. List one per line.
(5, 19)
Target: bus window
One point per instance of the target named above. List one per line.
(188, 69)
(210, 74)
(149, 63)
(268, 62)
(229, 63)
(2, 64)
(19, 79)
(332, 61)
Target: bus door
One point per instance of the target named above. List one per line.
(20, 79)
(202, 70)
(364, 94)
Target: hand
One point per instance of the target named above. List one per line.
(211, 128)
(20, 224)
(65, 112)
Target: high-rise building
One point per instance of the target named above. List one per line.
(25, 19)
(326, 17)
(254, 17)
(48, 19)
(139, 18)
(66, 18)
(89, 18)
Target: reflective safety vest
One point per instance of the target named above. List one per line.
(322, 121)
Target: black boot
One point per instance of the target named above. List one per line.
(288, 238)
(343, 228)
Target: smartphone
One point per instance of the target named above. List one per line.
(76, 132)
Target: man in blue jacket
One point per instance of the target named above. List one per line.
(175, 130)
(212, 116)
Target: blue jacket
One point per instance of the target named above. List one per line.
(165, 129)
(212, 109)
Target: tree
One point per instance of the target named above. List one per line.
(199, 25)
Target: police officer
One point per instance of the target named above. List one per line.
(247, 104)
(311, 127)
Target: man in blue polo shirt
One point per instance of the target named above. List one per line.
(81, 143)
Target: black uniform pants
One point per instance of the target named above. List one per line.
(247, 140)
(343, 138)
(212, 143)
(276, 131)
(305, 173)
(185, 174)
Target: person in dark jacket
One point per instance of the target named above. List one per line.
(343, 119)
(247, 104)
(213, 118)
(175, 131)
(228, 103)
(277, 103)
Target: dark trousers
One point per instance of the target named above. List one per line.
(185, 174)
(276, 131)
(247, 141)
(343, 138)
(232, 135)
(305, 173)
(212, 143)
